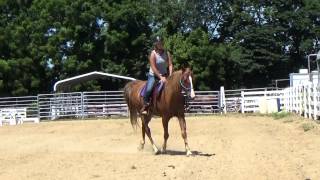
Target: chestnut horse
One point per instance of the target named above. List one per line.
(169, 103)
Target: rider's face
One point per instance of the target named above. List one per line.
(159, 45)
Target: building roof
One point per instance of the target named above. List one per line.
(63, 84)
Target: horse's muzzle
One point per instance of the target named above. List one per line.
(192, 94)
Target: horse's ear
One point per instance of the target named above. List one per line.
(184, 66)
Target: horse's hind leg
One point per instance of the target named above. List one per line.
(143, 131)
(145, 120)
(183, 127)
(165, 122)
(134, 122)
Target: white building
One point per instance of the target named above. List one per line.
(303, 77)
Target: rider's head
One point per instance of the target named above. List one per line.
(158, 43)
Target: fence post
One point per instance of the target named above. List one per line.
(222, 100)
(290, 99)
(38, 107)
(242, 101)
(284, 99)
(305, 100)
(296, 97)
(315, 102)
(293, 99)
(128, 113)
(309, 100)
(300, 94)
(82, 105)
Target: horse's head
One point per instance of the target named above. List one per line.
(186, 82)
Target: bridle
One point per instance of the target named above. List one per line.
(186, 90)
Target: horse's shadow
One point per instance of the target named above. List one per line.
(183, 153)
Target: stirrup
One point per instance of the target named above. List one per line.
(144, 109)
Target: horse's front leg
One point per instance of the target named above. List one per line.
(183, 127)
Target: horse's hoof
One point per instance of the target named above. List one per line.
(189, 153)
(155, 150)
(140, 147)
(163, 151)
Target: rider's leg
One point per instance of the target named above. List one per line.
(146, 97)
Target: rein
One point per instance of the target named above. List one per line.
(186, 97)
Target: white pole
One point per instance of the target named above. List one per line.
(309, 100)
(222, 100)
(315, 102)
(305, 100)
(298, 100)
(286, 99)
(0, 118)
(291, 99)
(294, 99)
(242, 102)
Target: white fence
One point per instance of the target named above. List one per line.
(262, 101)
(15, 110)
(111, 103)
(303, 100)
(251, 100)
(60, 105)
(82, 104)
(205, 102)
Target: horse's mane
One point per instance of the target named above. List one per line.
(173, 80)
(175, 74)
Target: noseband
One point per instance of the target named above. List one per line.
(184, 87)
(186, 97)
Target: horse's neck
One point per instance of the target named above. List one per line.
(173, 82)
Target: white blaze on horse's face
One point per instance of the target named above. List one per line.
(192, 94)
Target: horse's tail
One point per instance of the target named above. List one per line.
(133, 113)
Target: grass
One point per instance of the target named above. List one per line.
(307, 126)
(280, 115)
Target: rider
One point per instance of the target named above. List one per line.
(160, 61)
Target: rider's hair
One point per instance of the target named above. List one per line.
(156, 41)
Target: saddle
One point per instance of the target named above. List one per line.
(156, 91)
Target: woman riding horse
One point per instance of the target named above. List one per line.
(160, 61)
(170, 103)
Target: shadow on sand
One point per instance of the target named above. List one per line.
(183, 153)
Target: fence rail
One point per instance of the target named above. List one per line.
(303, 100)
(15, 110)
(205, 102)
(112, 103)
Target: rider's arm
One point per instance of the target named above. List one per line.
(152, 61)
(170, 64)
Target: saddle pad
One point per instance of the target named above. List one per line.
(157, 89)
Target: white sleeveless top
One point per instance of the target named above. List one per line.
(161, 63)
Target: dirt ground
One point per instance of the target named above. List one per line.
(225, 147)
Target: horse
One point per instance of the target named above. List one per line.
(169, 103)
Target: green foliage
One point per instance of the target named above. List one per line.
(235, 44)
(280, 115)
(307, 126)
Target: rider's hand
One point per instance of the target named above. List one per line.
(163, 79)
